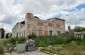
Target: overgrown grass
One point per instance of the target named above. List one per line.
(63, 44)
(1, 50)
(52, 40)
(11, 40)
(66, 49)
(43, 41)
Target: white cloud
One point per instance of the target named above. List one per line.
(75, 19)
(12, 11)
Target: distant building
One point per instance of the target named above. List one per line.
(80, 35)
(33, 24)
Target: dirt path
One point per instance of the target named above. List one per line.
(28, 53)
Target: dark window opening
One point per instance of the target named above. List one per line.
(58, 32)
(17, 34)
(50, 33)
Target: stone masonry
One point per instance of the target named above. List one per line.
(33, 24)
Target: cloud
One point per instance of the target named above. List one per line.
(13, 11)
(76, 18)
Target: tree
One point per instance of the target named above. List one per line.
(7, 35)
(2, 32)
(77, 29)
(83, 29)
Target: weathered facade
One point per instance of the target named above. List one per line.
(33, 24)
(80, 35)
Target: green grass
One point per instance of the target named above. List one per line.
(1, 50)
(52, 40)
(67, 49)
(62, 44)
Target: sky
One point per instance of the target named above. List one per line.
(13, 11)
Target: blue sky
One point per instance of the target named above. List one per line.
(80, 6)
(71, 10)
(13, 11)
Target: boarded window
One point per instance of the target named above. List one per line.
(28, 26)
(56, 25)
(50, 32)
(40, 32)
(17, 34)
(46, 33)
(58, 32)
(50, 24)
(40, 23)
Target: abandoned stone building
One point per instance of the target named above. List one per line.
(80, 35)
(33, 24)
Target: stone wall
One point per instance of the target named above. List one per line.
(79, 35)
(33, 24)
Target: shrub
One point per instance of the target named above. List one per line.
(52, 40)
(41, 42)
(12, 40)
(32, 36)
(21, 39)
(63, 39)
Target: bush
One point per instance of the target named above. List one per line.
(12, 40)
(21, 39)
(63, 39)
(41, 42)
(52, 40)
(32, 36)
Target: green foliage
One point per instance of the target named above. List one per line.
(52, 50)
(72, 48)
(1, 50)
(21, 39)
(79, 29)
(83, 29)
(32, 36)
(9, 47)
(82, 42)
(2, 32)
(12, 40)
(52, 40)
(41, 41)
